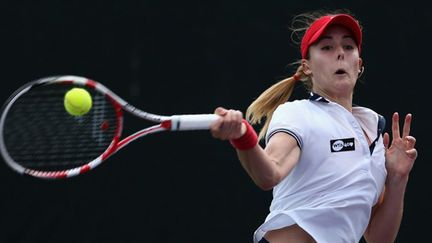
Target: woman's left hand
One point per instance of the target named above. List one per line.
(401, 154)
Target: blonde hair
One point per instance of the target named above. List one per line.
(271, 98)
(279, 93)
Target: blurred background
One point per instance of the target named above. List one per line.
(179, 57)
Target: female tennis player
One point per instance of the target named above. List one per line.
(336, 176)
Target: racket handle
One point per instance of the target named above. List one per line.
(192, 122)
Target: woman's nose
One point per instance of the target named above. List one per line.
(340, 53)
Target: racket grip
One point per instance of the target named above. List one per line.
(192, 122)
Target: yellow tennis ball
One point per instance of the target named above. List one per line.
(77, 101)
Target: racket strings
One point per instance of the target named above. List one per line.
(41, 135)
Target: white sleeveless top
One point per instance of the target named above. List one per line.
(338, 178)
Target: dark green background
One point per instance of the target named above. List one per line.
(174, 57)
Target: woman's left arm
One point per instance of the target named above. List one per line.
(400, 156)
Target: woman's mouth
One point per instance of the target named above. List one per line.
(340, 72)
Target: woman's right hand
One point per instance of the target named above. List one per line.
(229, 125)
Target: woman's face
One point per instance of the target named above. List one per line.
(334, 62)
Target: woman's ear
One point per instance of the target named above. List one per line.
(306, 68)
(361, 68)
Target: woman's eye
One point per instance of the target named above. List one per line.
(325, 47)
(349, 47)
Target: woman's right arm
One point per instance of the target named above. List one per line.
(267, 167)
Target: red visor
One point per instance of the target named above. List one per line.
(317, 28)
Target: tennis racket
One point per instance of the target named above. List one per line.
(39, 138)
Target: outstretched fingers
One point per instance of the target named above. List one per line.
(409, 141)
(406, 126)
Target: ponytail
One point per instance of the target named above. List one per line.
(264, 106)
